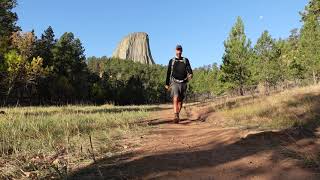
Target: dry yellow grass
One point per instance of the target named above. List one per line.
(286, 109)
(41, 141)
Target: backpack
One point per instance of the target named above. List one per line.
(184, 60)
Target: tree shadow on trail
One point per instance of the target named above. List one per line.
(211, 155)
(175, 161)
(188, 119)
(156, 122)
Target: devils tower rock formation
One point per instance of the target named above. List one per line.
(135, 47)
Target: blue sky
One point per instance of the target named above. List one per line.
(200, 26)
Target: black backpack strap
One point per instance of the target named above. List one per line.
(173, 60)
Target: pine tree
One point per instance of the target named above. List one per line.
(268, 67)
(44, 46)
(313, 8)
(292, 67)
(70, 68)
(310, 39)
(7, 25)
(235, 73)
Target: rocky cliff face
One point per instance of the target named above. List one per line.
(135, 47)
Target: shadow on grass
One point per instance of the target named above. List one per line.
(215, 155)
(310, 119)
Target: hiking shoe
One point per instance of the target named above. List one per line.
(176, 118)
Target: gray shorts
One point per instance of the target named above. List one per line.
(178, 90)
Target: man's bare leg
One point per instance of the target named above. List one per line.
(176, 109)
(175, 105)
(180, 103)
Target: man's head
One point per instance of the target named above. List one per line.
(178, 50)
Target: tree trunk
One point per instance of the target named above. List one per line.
(314, 77)
(266, 86)
(241, 90)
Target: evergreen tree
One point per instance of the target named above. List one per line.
(312, 8)
(7, 25)
(97, 65)
(235, 73)
(292, 68)
(310, 40)
(69, 68)
(268, 67)
(44, 46)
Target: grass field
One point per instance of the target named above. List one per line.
(46, 140)
(52, 141)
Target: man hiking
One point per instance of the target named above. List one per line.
(178, 74)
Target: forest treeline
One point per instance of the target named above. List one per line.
(54, 70)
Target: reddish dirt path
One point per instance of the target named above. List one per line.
(198, 149)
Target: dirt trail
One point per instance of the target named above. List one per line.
(198, 148)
